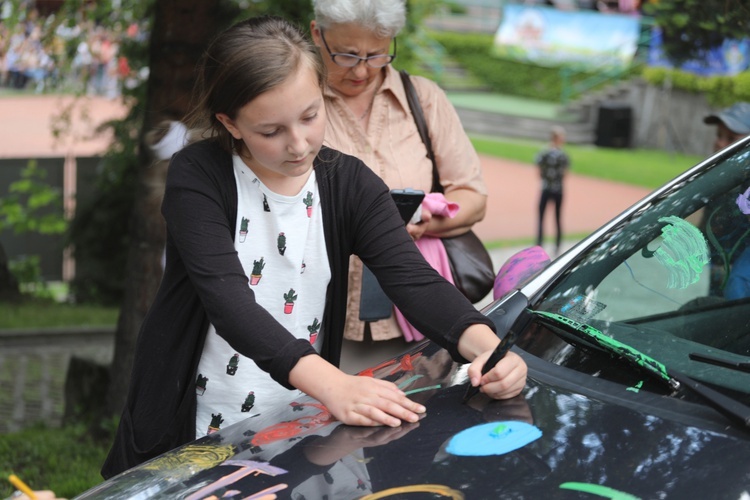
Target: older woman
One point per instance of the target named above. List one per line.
(369, 117)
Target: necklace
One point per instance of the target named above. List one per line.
(367, 111)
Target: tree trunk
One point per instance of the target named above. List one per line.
(180, 33)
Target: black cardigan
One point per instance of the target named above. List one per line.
(204, 283)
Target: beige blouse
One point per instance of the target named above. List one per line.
(391, 147)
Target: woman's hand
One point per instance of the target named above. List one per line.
(417, 230)
(352, 399)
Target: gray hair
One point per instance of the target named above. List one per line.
(385, 18)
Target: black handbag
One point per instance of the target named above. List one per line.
(470, 262)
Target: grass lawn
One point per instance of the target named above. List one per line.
(66, 461)
(48, 313)
(638, 167)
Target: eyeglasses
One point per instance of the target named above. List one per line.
(351, 60)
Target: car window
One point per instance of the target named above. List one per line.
(673, 279)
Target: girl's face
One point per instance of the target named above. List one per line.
(282, 131)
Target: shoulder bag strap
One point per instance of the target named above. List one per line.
(416, 111)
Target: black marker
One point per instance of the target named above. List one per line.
(500, 351)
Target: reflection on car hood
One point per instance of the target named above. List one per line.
(567, 434)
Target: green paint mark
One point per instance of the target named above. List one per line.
(499, 430)
(684, 252)
(602, 491)
(610, 344)
(409, 380)
(422, 389)
(636, 387)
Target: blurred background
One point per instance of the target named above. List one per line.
(85, 85)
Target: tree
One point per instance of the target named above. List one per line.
(692, 27)
(180, 32)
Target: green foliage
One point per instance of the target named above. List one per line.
(720, 91)
(473, 52)
(28, 272)
(691, 27)
(31, 205)
(65, 460)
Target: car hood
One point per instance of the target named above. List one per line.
(568, 435)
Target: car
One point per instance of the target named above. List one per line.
(637, 341)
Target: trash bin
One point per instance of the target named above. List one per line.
(614, 125)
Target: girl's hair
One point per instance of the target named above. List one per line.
(243, 62)
(386, 18)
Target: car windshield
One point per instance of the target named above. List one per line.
(672, 280)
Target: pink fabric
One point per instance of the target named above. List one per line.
(434, 253)
(438, 205)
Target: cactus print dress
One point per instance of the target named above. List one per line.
(281, 246)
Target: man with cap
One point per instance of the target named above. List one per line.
(733, 123)
(721, 216)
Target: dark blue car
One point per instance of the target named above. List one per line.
(638, 347)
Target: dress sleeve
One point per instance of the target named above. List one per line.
(197, 220)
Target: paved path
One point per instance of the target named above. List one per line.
(513, 195)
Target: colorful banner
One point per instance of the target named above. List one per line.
(551, 37)
(732, 57)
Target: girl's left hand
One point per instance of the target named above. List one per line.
(506, 380)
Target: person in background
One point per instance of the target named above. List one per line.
(369, 117)
(721, 218)
(732, 124)
(553, 163)
(242, 311)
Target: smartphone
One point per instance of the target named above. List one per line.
(409, 203)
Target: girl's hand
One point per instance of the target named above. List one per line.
(352, 399)
(506, 380)
(368, 401)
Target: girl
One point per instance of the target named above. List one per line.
(261, 222)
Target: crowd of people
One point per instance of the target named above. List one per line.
(37, 58)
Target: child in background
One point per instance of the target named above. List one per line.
(553, 163)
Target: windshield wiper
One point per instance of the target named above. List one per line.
(732, 364)
(734, 410)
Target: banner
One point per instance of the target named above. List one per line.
(732, 57)
(551, 37)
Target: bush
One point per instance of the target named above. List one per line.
(720, 91)
(473, 51)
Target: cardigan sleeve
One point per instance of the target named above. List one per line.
(196, 212)
(432, 304)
